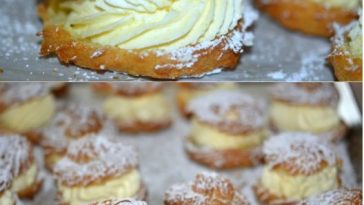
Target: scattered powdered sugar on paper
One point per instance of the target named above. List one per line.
(310, 64)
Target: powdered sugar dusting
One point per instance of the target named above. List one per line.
(323, 93)
(301, 152)
(136, 88)
(207, 188)
(93, 158)
(120, 202)
(14, 154)
(19, 92)
(338, 197)
(69, 123)
(215, 107)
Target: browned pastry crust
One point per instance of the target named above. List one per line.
(142, 195)
(33, 136)
(30, 191)
(337, 197)
(182, 104)
(264, 196)
(343, 65)
(61, 91)
(138, 127)
(306, 16)
(56, 40)
(223, 159)
(206, 189)
(48, 158)
(334, 135)
(128, 89)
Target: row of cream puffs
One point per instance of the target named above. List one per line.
(299, 167)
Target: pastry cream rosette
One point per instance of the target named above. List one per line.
(313, 17)
(17, 156)
(98, 168)
(228, 128)
(188, 91)
(119, 202)
(298, 166)
(206, 189)
(346, 57)
(306, 107)
(137, 107)
(337, 197)
(71, 122)
(25, 107)
(160, 39)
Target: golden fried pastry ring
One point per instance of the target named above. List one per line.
(343, 64)
(57, 40)
(306, 16)
(119, 202)
(223, 159)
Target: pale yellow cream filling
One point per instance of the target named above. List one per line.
(210, 136)
(157, 24)
(125, 186)
(346, 4)
(314, 119)
(299, 187)
(29, 115)
(146, 108)
(7, 198)
(25, 180)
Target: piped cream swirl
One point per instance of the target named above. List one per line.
(148, 24)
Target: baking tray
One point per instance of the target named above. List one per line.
(163, 161)
(278, 54)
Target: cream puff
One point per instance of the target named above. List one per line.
(298, 166)
(98, 168)
(313, 17)
(24, 108)
(119, 202)
(71, 122)
(206, 189)
(307, 107)
(188, 91)
(17, 156)
(228, 128)
(160, 39)
(346, 57)
(137, 107)
(7, 197)
(337, 197)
